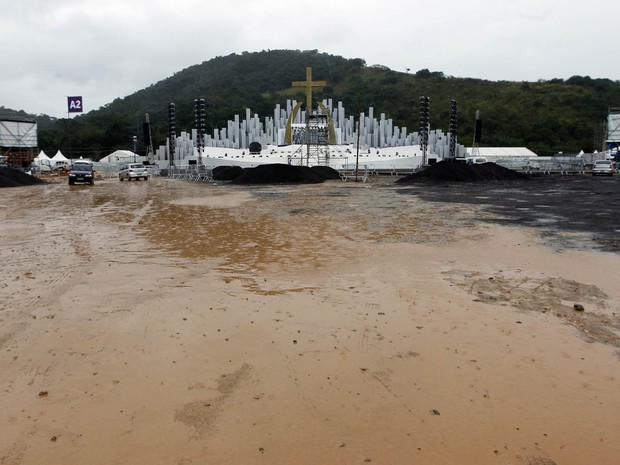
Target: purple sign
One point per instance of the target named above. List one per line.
(74, 104)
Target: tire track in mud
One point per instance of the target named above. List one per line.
(46, 246)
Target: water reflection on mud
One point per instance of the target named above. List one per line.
(253, 228)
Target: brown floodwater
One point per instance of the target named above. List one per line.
(182, 323)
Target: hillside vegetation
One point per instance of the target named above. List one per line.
(545, 116)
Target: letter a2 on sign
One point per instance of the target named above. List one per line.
(74, 104)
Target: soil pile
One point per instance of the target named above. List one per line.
(326, 172)
(10, 177)
(227, 173)
(285, 174)
(451, 171)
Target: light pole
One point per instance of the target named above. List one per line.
(135, 144)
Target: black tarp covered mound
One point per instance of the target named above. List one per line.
(227, 173)
(326, 172)
(10, 177)
(451, 171)
(285, 174)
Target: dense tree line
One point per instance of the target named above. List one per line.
(545, 116)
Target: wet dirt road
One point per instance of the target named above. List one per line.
(169, 322)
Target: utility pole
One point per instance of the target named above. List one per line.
(475, 148)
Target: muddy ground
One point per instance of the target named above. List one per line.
(557, 206)
(170, 322)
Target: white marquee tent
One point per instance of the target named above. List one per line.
(494, 154)
(59, 159)
(122, 156)
(42, 159)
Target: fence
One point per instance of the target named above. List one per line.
(191, 173)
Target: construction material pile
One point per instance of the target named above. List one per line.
(451, 171)
(10, 177)
(276, 174)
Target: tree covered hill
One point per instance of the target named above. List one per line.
(545, 116)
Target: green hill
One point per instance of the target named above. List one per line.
(545, 116)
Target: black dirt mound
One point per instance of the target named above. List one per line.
(10, 177)
(278, 174)
(450, 171)
(326, 172)
(227, 173)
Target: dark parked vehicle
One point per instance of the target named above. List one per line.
(83, 173)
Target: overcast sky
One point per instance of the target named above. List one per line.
(106, 49)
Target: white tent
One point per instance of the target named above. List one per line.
(42, 159)
(122, 156)
(59, 159)
(43, 162)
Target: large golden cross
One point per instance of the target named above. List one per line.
(309, 84)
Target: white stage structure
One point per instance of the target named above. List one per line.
(378, 138)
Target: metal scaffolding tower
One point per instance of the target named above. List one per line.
(475, 148)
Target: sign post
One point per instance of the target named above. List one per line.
(74, 104)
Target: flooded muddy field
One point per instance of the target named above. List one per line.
(171, 322)
(565, 209)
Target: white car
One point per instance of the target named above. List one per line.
(603, 168)
(134, 171)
